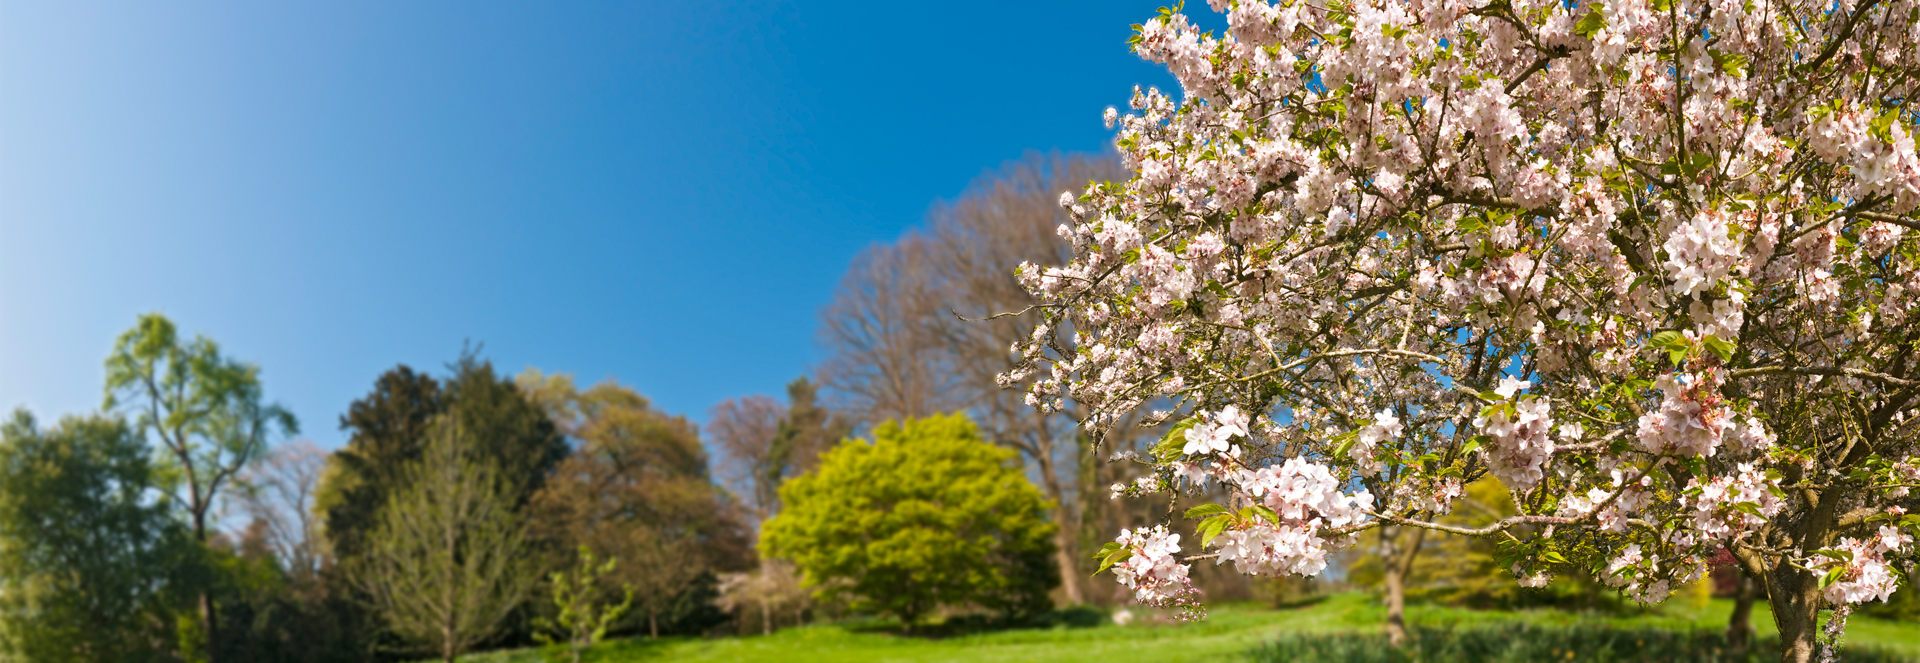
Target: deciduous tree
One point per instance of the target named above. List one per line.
(206, 413)
(1648, 263)
(87, 558)
(764, 442)
(637, 489)
(447, 559)
(899, 347)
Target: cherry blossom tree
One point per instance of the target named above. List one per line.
(1647, 262)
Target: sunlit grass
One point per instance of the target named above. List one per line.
(1229, 634)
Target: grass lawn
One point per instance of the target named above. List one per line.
(1227, 634)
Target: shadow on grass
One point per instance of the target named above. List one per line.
(1065, 618)
(1300, 603)
(1517, 642)
(625, 650)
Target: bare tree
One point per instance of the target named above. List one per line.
(878, 332)
(742, 428)
(279, 493)
(898, 346)
(448, 560)
(764, 442)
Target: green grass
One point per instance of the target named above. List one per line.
(1230, 633)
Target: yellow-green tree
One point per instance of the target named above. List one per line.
(925, 514)
(208, 415)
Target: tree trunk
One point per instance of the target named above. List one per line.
(209, 615)
(210, 625)
(1064, 556)
(1066, 536)
(1795, 598)
(1398, 563)
(653, 624)
(1740, 623)
(766, 616)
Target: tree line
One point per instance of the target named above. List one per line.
(184, 521)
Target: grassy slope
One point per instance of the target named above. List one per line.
(1228, 632)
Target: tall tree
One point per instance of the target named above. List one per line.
(388, 430)
(86, 557)
(899, 348)
(447, 559)
(636, 489)
(206, 412)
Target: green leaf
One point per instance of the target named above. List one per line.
(1262, 511)
(1720, 348)
(1472, 443)
(1668, 340)
(1346, 441)
(1212, 528)
(1172, 444)
(1832, 576)
(1205, 510)
(1113, 559)
(1591, 23)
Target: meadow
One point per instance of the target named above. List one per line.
(1234, 632)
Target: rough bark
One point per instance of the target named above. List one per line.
(1794, 596)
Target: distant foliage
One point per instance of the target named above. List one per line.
(925, 515)
(636, 488)
(1529, 643)
(448, 558)
(90, 565)
(388, 429)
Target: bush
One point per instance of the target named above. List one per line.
(928, 515)
(1523, 642)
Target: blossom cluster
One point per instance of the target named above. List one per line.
(1864, 572)
(1156, 577)
(1728, 507)
(1305, 497)
(1517, 427)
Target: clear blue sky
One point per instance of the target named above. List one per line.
(664, 193)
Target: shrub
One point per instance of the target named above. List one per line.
(926, 515)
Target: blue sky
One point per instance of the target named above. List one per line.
(664, 193)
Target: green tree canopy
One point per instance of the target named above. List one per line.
(388, 430)
(204, 408)
(927, 514)
(207, 413)
(86, 554)
(636, 489)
